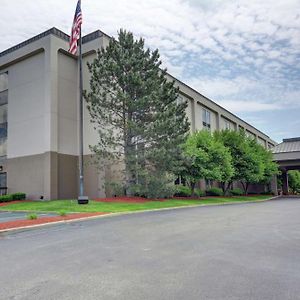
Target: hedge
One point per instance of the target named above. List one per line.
(214, 192)
(182, 191)
(199, 193)
(236, 192)
(12, 197)
(19, 196)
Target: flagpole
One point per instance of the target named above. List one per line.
(81, 199)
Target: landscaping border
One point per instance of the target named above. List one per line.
(103, 215)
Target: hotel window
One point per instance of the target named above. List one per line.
(250, 135)
(180, 100)
(261, 142)
(227, 125)
(3, 183)
(3, 112)
(206, 119)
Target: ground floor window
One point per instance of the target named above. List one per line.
(3, 183)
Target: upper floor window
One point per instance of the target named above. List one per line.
(250, 134)
(3, 82)
(206, 119)
(228, 125)
(261, 142)
(180, 100)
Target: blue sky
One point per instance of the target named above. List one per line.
(244, 55)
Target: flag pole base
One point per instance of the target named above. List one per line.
(83, 200)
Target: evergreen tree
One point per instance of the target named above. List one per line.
(133, 107)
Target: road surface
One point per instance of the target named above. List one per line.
(243, 251)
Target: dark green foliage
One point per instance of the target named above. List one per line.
(115, 188)
(133, 107)
(13, 197)
(236, 192)
(214, 191)
(294, 181)
(19, 196)
(6, 198)
(266, 193)
(182, 191)
(199, 193)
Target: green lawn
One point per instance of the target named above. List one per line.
(72, 206)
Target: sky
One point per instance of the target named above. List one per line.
(244, 55)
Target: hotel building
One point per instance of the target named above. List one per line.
(39, 118)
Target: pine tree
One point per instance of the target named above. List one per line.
(133, 107)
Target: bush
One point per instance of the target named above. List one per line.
(182, 191)
(137, 190)
(266, 193)
(117, 189)
(62, 213)
(6, 198)
(159, 186)
(214, 192)
(32, 217)
(19, 196)
(236, 192)
(199, 193)
(154, 185)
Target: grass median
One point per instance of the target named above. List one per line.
(69, 206)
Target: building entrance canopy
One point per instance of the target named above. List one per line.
(287, 155)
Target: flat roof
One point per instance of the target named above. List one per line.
(58, 33)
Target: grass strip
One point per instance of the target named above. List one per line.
(69, 206)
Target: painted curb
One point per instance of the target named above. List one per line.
(23, 228)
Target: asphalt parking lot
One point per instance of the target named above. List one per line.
(244, 251)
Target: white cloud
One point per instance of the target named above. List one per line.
(231, 51)
(248, 106)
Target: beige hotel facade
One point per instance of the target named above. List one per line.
(39, 118)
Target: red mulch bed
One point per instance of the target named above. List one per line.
(44, 220)
(126, 199)
(12, 202)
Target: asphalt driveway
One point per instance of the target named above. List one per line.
(245, 251)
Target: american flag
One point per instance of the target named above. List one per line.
(76, 27)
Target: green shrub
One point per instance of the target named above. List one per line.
(116, 188)
(62, 213)
(236, 192)
(199, 193)
(19, 196)
(214, 192)
(157, 185)
(182, 191)
(32, 217)
(267, 193)
(6, 198)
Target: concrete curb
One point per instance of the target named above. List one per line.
(15, 229)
